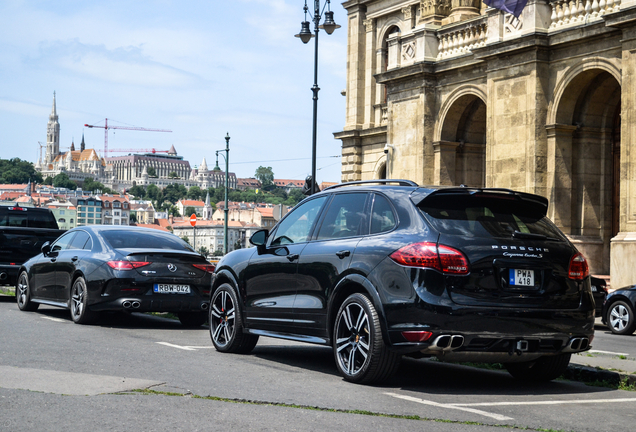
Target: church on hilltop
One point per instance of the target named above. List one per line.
(123, 172)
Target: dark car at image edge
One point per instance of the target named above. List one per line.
(92, 269)
(382, 269)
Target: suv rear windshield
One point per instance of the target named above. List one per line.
(122, 239)
(27, 217)
(488, 216)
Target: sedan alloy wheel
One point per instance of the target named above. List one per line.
(79, 303)
(23, 294)
(620, 318)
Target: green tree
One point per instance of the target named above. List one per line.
(265, 175)
(151, 172)
(204, 251)
(17, 171)
(195, 193)
(48, 181)
(238, 245)
(174, 192)
(186, 239)
(138, 191)
(153, 192)
(133, 217)
(189, 211)
(217, 253)
(174, 211)
(173, 175)
(62, 181)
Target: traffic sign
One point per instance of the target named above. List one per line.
(193, 219)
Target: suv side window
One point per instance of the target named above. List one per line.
(296, 226)
(345, 216)
(382, 216)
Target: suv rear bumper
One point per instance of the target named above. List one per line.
(8, 274)
(493, 335)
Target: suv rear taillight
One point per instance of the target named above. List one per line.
(578, 269)
(429, 255)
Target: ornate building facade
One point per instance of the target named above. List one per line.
(452, 92)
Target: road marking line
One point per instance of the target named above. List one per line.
(54, 319)
(451, 406)
(608, 352)
(200, 347)
(176, 346)
(558, 402)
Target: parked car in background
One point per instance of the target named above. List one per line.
(23, 231)
(619, 311)
(599, 291)
(98, 268)
(385, 268)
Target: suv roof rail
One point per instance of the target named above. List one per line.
(400, 182)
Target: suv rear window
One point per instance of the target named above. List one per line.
(26, 217)
(488, 216)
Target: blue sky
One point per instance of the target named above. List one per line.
(199, 68)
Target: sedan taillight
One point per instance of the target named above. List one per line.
(127, 265)
(578, 269)
(430, 255)
(205, 267)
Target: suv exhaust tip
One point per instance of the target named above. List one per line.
(447, 342)
(577, 344)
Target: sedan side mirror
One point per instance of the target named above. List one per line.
(46, 248)
(259, 238)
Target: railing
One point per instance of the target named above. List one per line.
(572, 12)
(461, 39)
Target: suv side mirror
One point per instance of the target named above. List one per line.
(259, 238)
(46, 248)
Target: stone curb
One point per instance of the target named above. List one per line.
(576, 372)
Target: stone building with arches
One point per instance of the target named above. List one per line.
(453, 92)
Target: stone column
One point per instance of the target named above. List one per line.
(445, 162)
(560, 175)
(462, 10)
(370, 67)
(433, 11)
(356, 68)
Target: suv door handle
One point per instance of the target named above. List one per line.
(292, 257)
(343, 253)
(75, 258)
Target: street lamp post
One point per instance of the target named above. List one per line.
(305, 36)
(226, 156)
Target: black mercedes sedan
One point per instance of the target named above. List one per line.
(98, 268)
(382, 269)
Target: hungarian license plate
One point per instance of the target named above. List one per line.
(171, 289)
(521, 277)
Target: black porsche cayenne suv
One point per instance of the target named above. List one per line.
(385, 268)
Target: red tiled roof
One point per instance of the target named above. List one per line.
(192, 203)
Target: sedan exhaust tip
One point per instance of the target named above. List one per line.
(135, 304)
(126, 304)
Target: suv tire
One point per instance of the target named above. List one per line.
(360, 352)
(226, 323)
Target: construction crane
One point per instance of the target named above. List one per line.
(106, 127)
(137, 150)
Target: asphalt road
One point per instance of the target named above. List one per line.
(56, 375)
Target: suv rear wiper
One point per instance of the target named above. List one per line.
(522, 235)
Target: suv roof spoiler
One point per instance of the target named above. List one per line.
(420, 195)
(399, 182)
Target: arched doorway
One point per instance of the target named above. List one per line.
(461, 151)
(585, 143)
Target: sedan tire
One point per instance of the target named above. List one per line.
(544, 368)
(79, 303)
(23, 294)
(361, 355)
(226, 323)
(620, 318)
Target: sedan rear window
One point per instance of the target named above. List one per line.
(484, 216)
(123, 239)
